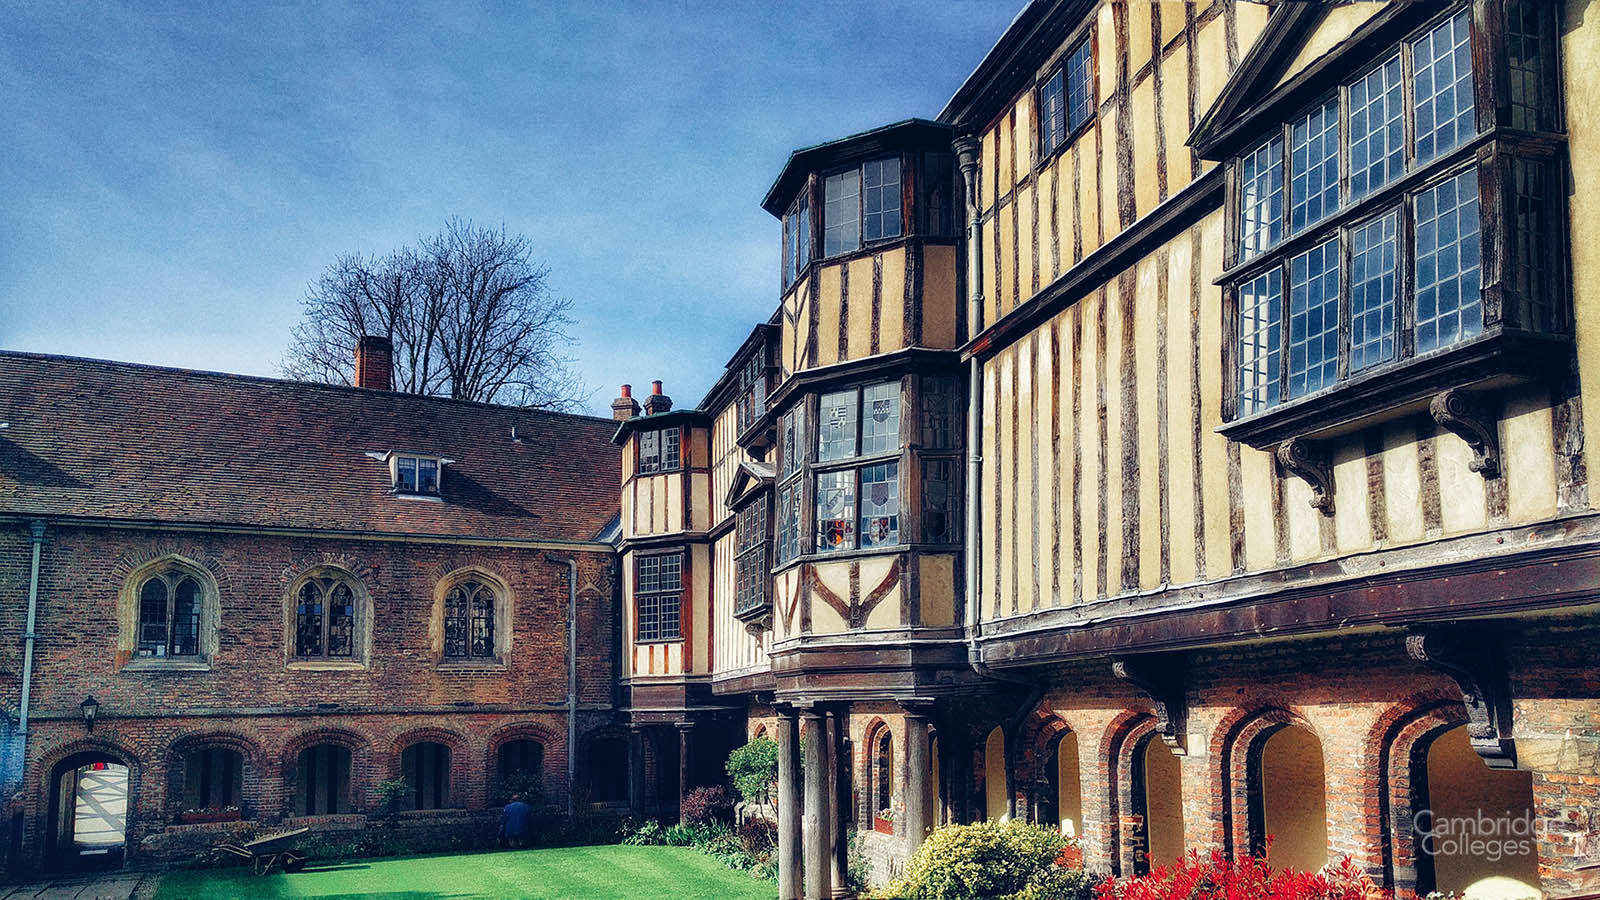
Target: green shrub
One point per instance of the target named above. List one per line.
(647, 834)
(990, 860)
(754, 769)
(390, 791)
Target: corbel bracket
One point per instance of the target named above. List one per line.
(1162, 678)
(1456, 411)
(1476, 661)
(1307, 460)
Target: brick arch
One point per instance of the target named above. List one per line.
(1403, 733)
(586, 741)
(866, 793)
(466, 788)
(1039, 734)
(232, 739)
(555, 750)
(362, 774)
(1122, 738)
(1235, 746)
(39, 799)
(134, 563)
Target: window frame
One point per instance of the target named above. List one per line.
(660, 466)
(326, 584)
(752, 559)
(468, 620)
(1490, 150)
(397, 466)
(862, 241)
(1061, 67)
(171, 579)
(659, 635)
(856, 462)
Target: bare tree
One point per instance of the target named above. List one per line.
(470, 313)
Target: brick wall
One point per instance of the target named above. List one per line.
(254, 700)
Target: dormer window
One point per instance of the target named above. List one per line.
(660, 451)
(416, 475)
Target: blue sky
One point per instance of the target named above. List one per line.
(172, 176)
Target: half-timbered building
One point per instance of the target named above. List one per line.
(1177, 440)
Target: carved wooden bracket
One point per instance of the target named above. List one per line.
(1457, 411)
(1161, 677)
(1307, 460)
(1475, 660)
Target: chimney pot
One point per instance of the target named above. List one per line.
(375, 363)
(655, 388)
(657, 402)
(625, 407)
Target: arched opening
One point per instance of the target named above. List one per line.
(213, 785)
(1467, 811)
(607, 779)
(996, 792)
(1157, 787)
(880, 780)
(322, 781)
(88, 813)
(1062, 800)
(425, 766)
(1289, 793)
(519, 769)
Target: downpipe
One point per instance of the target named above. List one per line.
(966, 148)
(29, 635)
(572, 678)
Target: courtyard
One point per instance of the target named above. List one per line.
(566, 873)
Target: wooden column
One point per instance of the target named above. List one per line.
(789, 855)
(819, 814)
(839, 770)
(919, 780)
(636, 769)
(685, 764)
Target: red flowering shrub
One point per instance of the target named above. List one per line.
(708, 805)
(1245, 878)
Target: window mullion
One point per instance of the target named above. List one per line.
(1286, 131)
(1285, 328)
(1405, 281)
(1408, 103)
(1342, 234)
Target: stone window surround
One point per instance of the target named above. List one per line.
(128, 617)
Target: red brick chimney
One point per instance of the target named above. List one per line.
(625, 407)
(375, 363)
(657, 402)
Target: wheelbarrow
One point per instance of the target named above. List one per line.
(271, 850)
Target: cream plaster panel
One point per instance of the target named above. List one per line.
(1049, 468)
(672, 507)
(991, 295)
(887, 613)
(1181, 447)
(1338, 23)
(1256, 475)
(830, 283)
(1024, 491)
(1211, 59)
(939, 300)
(1172, 19)
(937, 590)
(1022, 141)
(1402, 482)
(1250, 19)
(1146, 352)
(1047, 231)
(1066, 484)
(1089, 440)
(989, 513)
(1106, 55)
(988, 183)
(1005, 138)
(1006, 471)
(1139, 36)
(1026, 198)
(1110, 222)
(1112, 464)
(1528, 457)
(1006, 262)
(1088, 190)
(1175, 114)
(892, 302)
(859, 338)
(1352, 525)
(1305, 541)
(1581, 87)
(1146, 190)
(700, 627)
(825, 619)
(1462, 498)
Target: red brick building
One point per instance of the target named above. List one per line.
(280, 594)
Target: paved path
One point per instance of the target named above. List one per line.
(111, 886)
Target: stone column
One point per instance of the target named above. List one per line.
(840, 768)
(819, 812)
(685, 764)
(789, 811)
(919, 780)
(636, 769)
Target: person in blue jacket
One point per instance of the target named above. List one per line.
(516, 821)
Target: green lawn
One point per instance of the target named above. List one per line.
(566, 873)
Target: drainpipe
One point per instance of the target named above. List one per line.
(36, 535)
(572, 677)
(966, 148)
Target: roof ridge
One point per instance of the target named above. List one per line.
(290, 382)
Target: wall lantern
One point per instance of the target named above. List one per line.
(90, 707)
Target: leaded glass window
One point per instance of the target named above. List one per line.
(939, 522)
(836, 510)
(1052, 113)
(1080, 86)
(1373, 266)
(659, 451)
(788, 523)
(1441, 64)
(940, 413)
(469, 621)
(836, 425)
(880, 418)
(880, 505)
(658, 596)
(750, 556)
(797, 239)
(794, 440)
(1314, 165)
(1260, 341)
(1448, 281)
(841, 212)
(1377, 128)
(325, 618)
(1261, 174)
(880, 200)
(170, 609)
(1314, 319)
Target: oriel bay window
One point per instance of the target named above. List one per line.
(1358, 245)
(660, 451)
(856, 504)
(658, 597)
(750, 563)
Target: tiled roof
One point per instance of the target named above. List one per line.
(115, 440)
